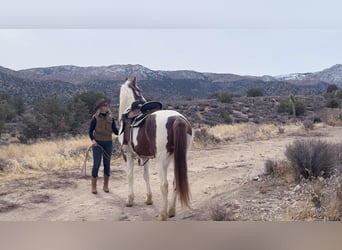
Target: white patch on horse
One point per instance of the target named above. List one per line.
(134, 135)
(161, 120)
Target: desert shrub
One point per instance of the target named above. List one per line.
(254, 92)
(217, 213)
(332, 88)
(312, 158)
(3, 114)
(226, 116)
(287, 107)
(280, 169)
(281, 130)
(308, 124)
(317, 119)
(300, 108)
(18, 105)
(270, 167)
(221, 213)
(325, 200)
(332, 103)
(30, 130)
(222, 97)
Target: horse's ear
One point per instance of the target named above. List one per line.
(134, 82)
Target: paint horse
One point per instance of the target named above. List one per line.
(166, 135)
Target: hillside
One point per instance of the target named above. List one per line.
(68, 80)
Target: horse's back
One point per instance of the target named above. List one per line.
(165, 120)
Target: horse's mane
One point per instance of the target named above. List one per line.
(126, 98)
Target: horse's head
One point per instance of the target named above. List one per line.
(129, 92)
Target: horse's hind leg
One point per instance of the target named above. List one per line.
(172, 209)
(147, 182)
(164, 186)
(130, 177)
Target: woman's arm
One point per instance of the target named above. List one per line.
(114, 128)
(92, 128)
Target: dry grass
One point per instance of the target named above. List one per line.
(324, 200)
(31, 160)
(332, 117)
(244, 132)
(251, 131)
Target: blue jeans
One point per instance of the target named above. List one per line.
(98, 155)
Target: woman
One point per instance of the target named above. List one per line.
(101, 128)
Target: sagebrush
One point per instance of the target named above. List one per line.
(314, 158)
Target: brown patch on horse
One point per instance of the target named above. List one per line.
(146, 138)
(170, 132)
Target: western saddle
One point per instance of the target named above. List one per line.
(136, 116)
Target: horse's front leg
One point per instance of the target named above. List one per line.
(130, 177)
(147, 182)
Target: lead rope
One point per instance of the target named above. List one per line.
(105, 154)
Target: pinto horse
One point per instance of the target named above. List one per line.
(166, 135)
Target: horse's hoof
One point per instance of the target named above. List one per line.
(129, 202)
(172, 212)
(163, 217)
(149, 199)
(149, 202)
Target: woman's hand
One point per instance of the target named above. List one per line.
(94, 143)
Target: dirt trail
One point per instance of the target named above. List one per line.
(213, 173)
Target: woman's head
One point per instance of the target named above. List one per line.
(102, 105)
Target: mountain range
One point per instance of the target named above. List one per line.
(67, 80)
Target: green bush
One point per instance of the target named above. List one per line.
(300, 108)
(287, 107)
(332, 103)
(331, 88)
(89, 98)
(226, 117)
(54, 116)
(254, 92)
(18, 105)
(222, 97)
(3, 114)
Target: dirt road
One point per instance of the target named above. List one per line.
(222, 174)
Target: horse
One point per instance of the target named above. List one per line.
(166, 136)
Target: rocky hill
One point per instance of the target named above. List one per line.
(331, 75)
(68, 80)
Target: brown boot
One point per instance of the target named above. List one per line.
(93, 185)
(105, 184)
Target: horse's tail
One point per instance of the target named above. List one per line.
(180, 160)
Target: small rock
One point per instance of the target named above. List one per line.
(297, 188)
(256, 178)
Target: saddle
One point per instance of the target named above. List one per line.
(136, 118)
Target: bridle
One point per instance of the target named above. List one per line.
(137, 93)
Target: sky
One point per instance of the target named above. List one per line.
(259, 37)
